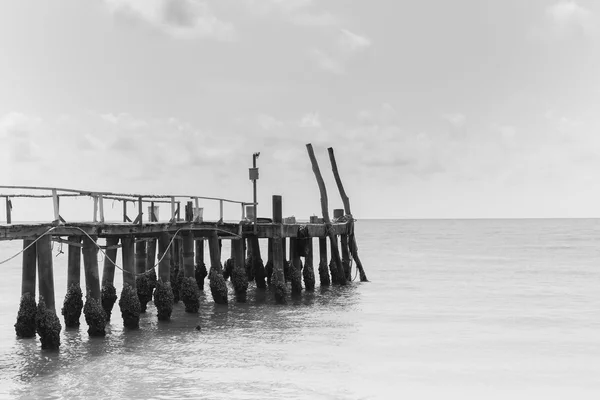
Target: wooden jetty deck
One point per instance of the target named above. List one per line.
(179, 242)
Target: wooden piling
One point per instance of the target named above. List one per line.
(73, 303)
(257, 263)
(163, 295)
(150, 263)
(218, 287)
(109, 292)
(129, 302)
(142, 280)
(175, 269)
(338, 214)
(308, 272)
(238, 276)
(335, 253)
(190, 293)
(351, 237)
(323, 267)
(47, 322)
(278, 256)
(200, 269)
(269, 265)
(287, 271)
(95, 316)
(25, 326)
(296, 267)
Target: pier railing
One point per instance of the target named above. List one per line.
(175, 200)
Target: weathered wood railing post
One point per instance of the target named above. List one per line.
(339, 213)
(278, 258)
(129, 302)
(352, 239)
(189, 287)
(47, 322)
(95, 316)
(335, 254)
(73, 303)
(109, 292)
(25, 326)
(163, 295)
(8, 211)
(200, 270)
(142, 281)
(218, 287)
(296, 267)
(323, 266)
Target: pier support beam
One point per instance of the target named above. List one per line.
(176, 275)
(296, 267)
(256, 263)
(150, 263)
(129, 302)
(200, 269)
(190, 293)
(323, 268)
(278, 278)
(339, 213)
(142, 281)
(269, 265)
(309, 272)
(95, 316)
(73, 303)
(218, 287)
(47, 322)
(109, 292)
(238, 276)
(163, 295)
(25, 326)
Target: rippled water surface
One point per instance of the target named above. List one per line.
(454, 309)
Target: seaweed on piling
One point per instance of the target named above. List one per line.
(308, 274)
(190, 294)
(218, 288)
(25, 326)
(109, 298)
(95, 316)
(240, 281)
(144, 290)
(47, 326)
(200, 272)
(129, 303)
(296, 278)
(72, 306)
(163, 300)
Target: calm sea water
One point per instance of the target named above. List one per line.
(455, 309)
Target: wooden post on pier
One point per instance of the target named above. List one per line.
(296, 267)
(338, 214)
(163, 295)
(238, 276)
(129, 301)
(189, 288)
(73, 303)
(95, 316)
(150, 263)
(142, 281)
(256, 263)
(323, 266)
(269, 265)
(335, 253)
(47, 322)
(218, 287)
(278, 256)
(176, 266)
(200, 269)
(109, 292)
(352, 239)
(25, 326)
(308, 272)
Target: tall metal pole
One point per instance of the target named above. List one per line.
(254, 157)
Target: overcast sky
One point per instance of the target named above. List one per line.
(435, 108)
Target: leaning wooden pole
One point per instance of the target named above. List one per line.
(352, 239)
(335, 252)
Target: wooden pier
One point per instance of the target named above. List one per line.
(174, 246)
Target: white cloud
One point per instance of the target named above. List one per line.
(328, 62)
(18, 124)
(182, 19)
(456, 119)
(352, 42)
(310, 120)
(567, 18)
(268, 122)
(297, 12)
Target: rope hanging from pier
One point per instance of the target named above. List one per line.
(31, 244)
